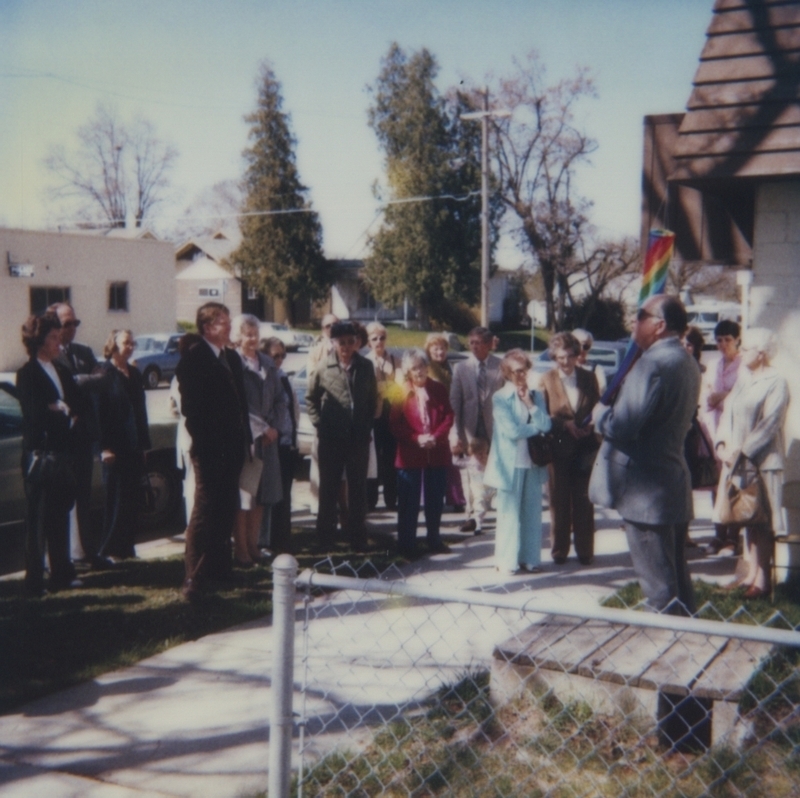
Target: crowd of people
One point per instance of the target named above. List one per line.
(414, 430)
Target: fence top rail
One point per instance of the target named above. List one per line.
(548, 606)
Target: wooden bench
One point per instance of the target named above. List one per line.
(688, 684)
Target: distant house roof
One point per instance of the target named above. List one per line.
(743, 116)
(134, 233)
(217, 246)
(204, 269)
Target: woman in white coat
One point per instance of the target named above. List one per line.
(752, 425)
(517, 414)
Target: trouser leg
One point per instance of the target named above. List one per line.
(331, 457)
(530, 520)
(659, 560)
(357, 463)
(507, 535)
(435, 482)
(560, 510)
(582, 515)
(408, 499)
(208, 536)
(282, 512)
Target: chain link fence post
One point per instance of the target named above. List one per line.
(284, 573)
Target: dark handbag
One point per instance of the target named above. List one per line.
(743, 500)
(699, 452)
(42, 468)
(540, 448)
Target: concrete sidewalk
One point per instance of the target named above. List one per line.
(193, 721)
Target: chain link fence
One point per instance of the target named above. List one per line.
(417, 689)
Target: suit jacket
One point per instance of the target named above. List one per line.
(122, 410)
(79, 359)
(565, 447)
(43, 428)
(464, 397)
(507, 431)
(640, 469)
(407, 426)
(214, 405)
(337, 411)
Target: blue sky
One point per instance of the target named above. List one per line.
(190, 67)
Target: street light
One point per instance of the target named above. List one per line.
(484, 117)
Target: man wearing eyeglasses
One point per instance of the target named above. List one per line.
(640, 469)
(81, 362)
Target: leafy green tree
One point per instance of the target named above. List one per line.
(428, 246)
(281, 250)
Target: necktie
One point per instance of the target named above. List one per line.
(482, 383)
(223, 359)
(287, 388)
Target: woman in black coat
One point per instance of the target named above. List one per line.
(50, 404)
(124, 437)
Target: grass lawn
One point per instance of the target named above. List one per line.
(127, 614)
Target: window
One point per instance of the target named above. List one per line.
(118, 296)
(42, 298)
(252, 293)
(209, 292)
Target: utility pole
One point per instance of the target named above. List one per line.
(484, 117)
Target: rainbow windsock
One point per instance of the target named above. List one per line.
(660, 246)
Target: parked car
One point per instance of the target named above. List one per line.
(161, 497)
(292, 339)
(156, 356)
(606, 354)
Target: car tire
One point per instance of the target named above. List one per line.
(161, 493)
(152, 377)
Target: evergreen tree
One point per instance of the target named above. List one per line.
(281, 253)
(426, 250)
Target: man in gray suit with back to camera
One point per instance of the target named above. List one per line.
(640, 469)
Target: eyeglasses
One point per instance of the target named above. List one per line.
(72, 323)
(279, 356)
(644, 314)
(377, 338)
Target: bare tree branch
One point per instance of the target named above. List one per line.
(112, 169)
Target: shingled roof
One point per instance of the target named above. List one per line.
(743, 116)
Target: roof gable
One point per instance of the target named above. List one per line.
(743, 117)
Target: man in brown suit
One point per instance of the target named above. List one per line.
(570, 394)
(210, 379)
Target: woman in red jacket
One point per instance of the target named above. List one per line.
(421, 425)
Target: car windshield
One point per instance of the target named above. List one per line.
(281, 327)
(603, 357)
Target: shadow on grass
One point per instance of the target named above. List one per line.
(118, 618)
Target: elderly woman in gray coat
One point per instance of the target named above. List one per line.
(269, 418)
(752, 425)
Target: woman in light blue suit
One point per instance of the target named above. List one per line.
(517, 413)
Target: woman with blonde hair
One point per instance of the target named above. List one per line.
(421, 423)
(751, 429)
(124, 438)
(389, 392)
(518, 414)
(439, 369)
